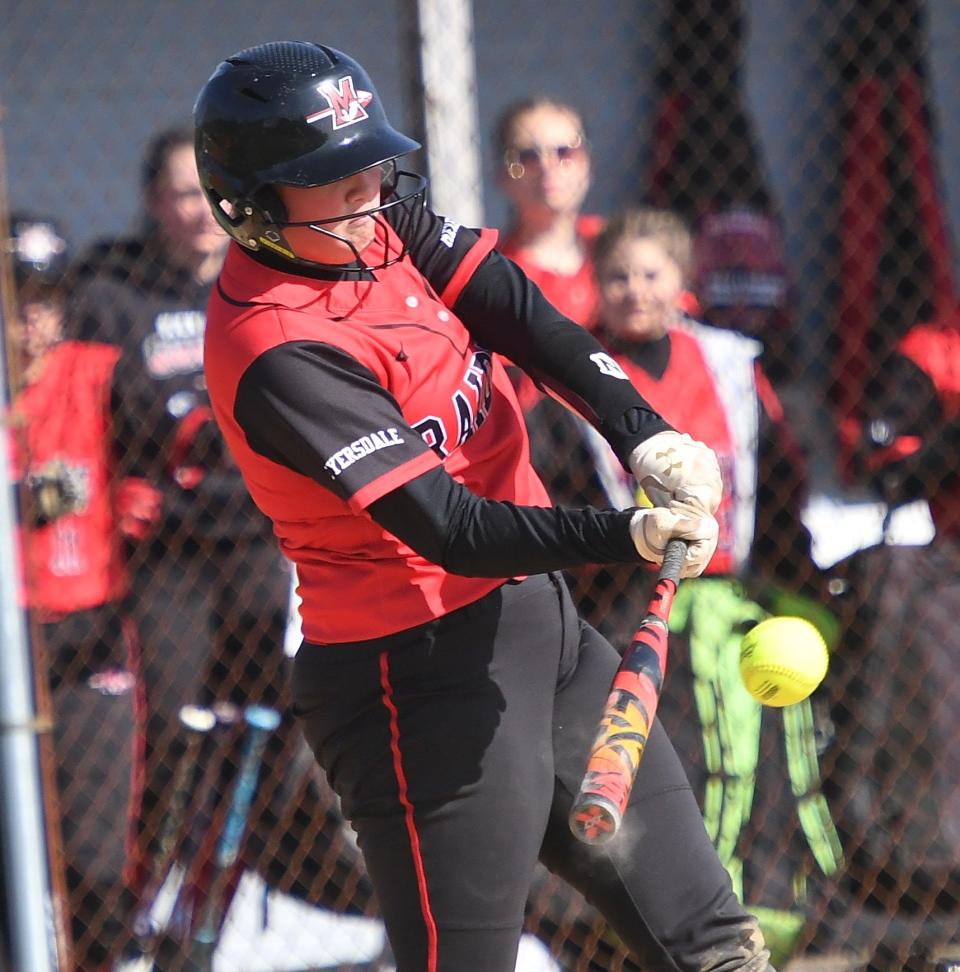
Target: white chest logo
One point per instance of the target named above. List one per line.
(175, 347)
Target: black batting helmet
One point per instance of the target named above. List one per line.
(289, 113)
(38, 250)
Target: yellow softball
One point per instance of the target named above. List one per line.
(782, 660)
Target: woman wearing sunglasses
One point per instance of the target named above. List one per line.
(543, 168)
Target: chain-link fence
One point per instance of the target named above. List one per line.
(809, 151)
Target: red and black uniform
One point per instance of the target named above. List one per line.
(446, 684)
(74, 580)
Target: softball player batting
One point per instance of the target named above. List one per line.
(445, 684)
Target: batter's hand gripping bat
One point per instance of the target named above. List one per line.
(631, 706)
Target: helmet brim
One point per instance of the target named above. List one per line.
(362, 153)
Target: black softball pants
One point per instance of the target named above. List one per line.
(456, 748)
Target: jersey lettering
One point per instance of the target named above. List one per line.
(471, 406)
(478, 377)
(179, 325)
(364, 446)
(448, 233)
(432, 431)
(176, 345)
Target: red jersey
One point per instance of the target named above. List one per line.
(573, 294)
(74, 562)
(392, 402)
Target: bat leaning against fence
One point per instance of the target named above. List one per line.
(197, 722)
(628, 715)
(260, 722)
(163, 919)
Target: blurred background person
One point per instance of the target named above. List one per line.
(892, 774)
(739, 276)
(741, 758)
(74, 582)
(544, 170)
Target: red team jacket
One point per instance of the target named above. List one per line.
(75, 562)
(378, 345)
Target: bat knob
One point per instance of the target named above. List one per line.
(594, 819)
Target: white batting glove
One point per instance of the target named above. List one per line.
(670, 466)
(651, 528)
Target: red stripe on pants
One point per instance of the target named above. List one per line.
(425, 909)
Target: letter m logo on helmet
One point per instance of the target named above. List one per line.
(345, 105)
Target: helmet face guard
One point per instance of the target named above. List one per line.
(261, 223)
(296, 114)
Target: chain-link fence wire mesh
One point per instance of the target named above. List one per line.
(807, 147)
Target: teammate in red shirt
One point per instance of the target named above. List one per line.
(445, 682)
(544, 170)
(74, 578)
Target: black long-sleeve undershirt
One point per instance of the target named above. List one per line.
(475, 537)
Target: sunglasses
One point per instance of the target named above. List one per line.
(520, 160)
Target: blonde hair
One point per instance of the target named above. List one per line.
(660, 225)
